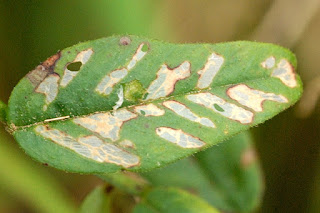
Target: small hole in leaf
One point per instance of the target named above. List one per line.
(218, 108)
(74, 66)
(145, 48)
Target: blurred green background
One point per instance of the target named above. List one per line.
(288, 145)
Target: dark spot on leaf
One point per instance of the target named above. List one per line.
(147, 126)
(217, 107)
(109, 189)
(124, 41)
(45, 164)
(74, 66)
(37, 75)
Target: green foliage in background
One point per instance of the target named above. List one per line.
(228, 175)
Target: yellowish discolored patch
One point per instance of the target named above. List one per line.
(106, 85)
(82, 57)
(49, 87)
(285, 72)
(149, 110)
(127, 144)
(180, 138)
(185, 112)
(209, 71)
(222, 107)
(253, 98)
(90, 147)
(166, 79)
(106, 124)
(133, 91)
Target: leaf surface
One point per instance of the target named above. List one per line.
(227, 176)
(98, 201)
(172, 200)
(136, 104)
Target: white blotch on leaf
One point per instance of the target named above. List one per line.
(137, 57)
(209, 71)
(49, 87)
(166, 79)
(82, 57)
(120, 100)
(269, 63)
(253, 98)
(106, 124)
(285, 72)
(185, 112)
(222, 107)
(91, 147)
(180, 138)
(105, 87)
(149, 110)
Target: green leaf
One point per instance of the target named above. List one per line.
(227, 176)
(98, 201)
(172, 200)
(128, 182)
(137, 104)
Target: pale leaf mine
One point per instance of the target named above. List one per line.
(185, 112)
(230, 111)
(178, 137)
(269, 63)
(166, 79)
(106, 124)
(253, 98)
(149, 110)
(82, 57)
(285, 72)
(210, 70)
(105, 87)
(91, 147)
(49, 87)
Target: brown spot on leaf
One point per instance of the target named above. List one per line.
(124, 41)
(37, 75)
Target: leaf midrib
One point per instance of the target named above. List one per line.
(16, 128)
